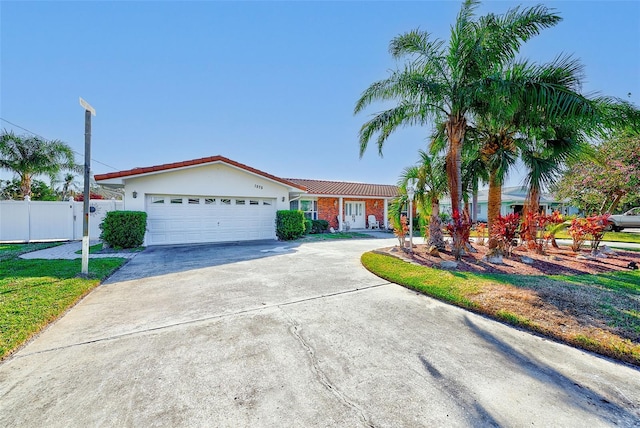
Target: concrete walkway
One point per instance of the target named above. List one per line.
(279, 334)
(68, 252)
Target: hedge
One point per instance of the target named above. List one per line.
(290, 224)
(124, 229)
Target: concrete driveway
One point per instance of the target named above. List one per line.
(280, 335)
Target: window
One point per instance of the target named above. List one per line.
(176, 200)
(252, 202)
(225, 201)
(240, 201)
(266, 203)
(193, 201)
(310, 209)
(209, 201)
(293, 205)
(157, 199)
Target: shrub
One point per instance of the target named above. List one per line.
(533, 229)
(400, 229)
(481, 229)
(504, 231)
(459, 228)
(578, 233)
(308, 226)
(124, 229)
(596, 226)
(290, 224)
(319, 226)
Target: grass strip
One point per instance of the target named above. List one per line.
(33, 293)
(599, 313)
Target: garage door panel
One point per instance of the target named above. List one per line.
(208, 219)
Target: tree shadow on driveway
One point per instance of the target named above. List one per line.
(576, 395)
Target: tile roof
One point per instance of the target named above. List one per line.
(343, 188)
(193, 162)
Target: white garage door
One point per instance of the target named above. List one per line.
(194, 219)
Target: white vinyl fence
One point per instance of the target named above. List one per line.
(24, 221)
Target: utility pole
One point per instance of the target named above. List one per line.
(88, 111)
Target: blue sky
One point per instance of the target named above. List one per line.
(268, 84)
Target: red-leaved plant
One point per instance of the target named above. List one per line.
(596, 227)
(591, 228)
(459, 226)
(578, 233)
(401, 231)
(504, 231)
(481, 229)
(533, 229)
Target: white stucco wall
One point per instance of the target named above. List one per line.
(204, 180)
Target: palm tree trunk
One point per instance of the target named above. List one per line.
(25, 185)
(435, 226)
(532, 205)
(474, 207)
(456, 127)
(493, 205)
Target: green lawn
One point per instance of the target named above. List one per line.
(10, 251)
(337, 235)
(600, 312)
(34, 293)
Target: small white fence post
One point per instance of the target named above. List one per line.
(27, 200)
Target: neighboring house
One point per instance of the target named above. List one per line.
(343, 203)
(513, 199)
(216, 199)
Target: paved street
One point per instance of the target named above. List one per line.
(289, 335)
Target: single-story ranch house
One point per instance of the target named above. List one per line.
(216, 199)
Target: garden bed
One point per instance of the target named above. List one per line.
(556, 261)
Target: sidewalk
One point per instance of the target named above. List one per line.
(68, 252)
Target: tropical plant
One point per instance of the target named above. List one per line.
(504, 232)
(447, 82)
(40, 191)
(481, 230)
(534, 229)
(431, 184)
(400, 230)
(596, 226)
(29, 156)
(459, 226)
(536, 113)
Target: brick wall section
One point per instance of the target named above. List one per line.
(328, 210)
(370, 208)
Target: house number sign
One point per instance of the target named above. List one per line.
(257, 186)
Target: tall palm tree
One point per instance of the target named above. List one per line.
(446, 83)
(531, 98)
(28, 156)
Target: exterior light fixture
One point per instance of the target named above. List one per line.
(135, 194)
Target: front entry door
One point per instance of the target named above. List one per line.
(354, 214)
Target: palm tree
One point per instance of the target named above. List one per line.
(446, 83)
(28, 156)
(529, 98)
(431, 185)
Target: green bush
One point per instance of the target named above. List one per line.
(308, 226)
(124, 229)
(319, 226)
(290, 224)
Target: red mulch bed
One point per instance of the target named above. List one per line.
(556, 261)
